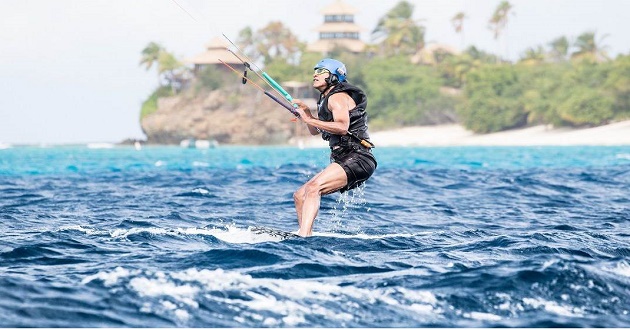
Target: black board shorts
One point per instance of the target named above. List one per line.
(357, 162)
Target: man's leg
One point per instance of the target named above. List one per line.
(308, 197)
(298, 199)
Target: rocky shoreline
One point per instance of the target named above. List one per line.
(232, 116)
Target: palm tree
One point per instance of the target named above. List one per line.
(150, 55)
(172, 70)
(459, 66)
(398, 31)
(589, 47)
(559, 49)
(458, 24)
(498, 21)
(167, 66)
(481, 56)
(533, 56)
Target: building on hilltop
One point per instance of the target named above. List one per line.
(215, 49)
(338, 30)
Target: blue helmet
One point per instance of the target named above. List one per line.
(336, 68)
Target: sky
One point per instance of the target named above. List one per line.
(70, 73)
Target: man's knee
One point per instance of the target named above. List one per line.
(298, 195)
(312, 188)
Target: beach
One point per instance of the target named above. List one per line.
(456, 135)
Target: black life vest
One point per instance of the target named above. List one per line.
(358, 116)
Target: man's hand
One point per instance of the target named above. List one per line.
(303, 110)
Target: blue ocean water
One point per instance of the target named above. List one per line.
(439, 237)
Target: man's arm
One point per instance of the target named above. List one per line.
(339, 104)
(305, 112)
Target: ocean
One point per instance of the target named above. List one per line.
(438, 237)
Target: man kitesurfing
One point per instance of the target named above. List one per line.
(342, 121)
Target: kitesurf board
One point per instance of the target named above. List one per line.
(272, 232)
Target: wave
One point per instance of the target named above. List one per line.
(42, 254)
(197, 296)
(464, 238)
(260, 301)
(230, 233)
(620, 268)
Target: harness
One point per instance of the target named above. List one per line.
(357, 131)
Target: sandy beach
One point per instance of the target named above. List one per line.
(456, 135)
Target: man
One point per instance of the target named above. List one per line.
(342, 121)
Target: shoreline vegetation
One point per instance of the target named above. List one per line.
(433, 94)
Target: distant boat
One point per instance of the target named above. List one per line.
(5, 146)
(198, 144)
(137, 145)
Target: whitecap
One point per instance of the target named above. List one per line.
(554, 307)
(234, 234)
(163, 287)
(201, 191)
(123, 233)
(291, 300)
(621, 268)
(110, 278)
(87, 231)
(230, 234)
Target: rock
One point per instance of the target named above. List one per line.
(228, 116)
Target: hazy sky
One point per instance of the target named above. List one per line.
(69, 68)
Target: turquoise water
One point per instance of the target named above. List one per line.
(438, 237)
(35, 160)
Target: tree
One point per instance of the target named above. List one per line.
(168, 67)
(493, 100)
(455, 69)
(399, 32)
(481, 56)
(540, 84)
(276, 40)
(559, 49)
(618, 82)
(498, 21)
(172, 70)
(590, 48)
(458, 24)
(246, 42)
(534, 56)
(587, 107)
(150, 55)
(400, 92)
